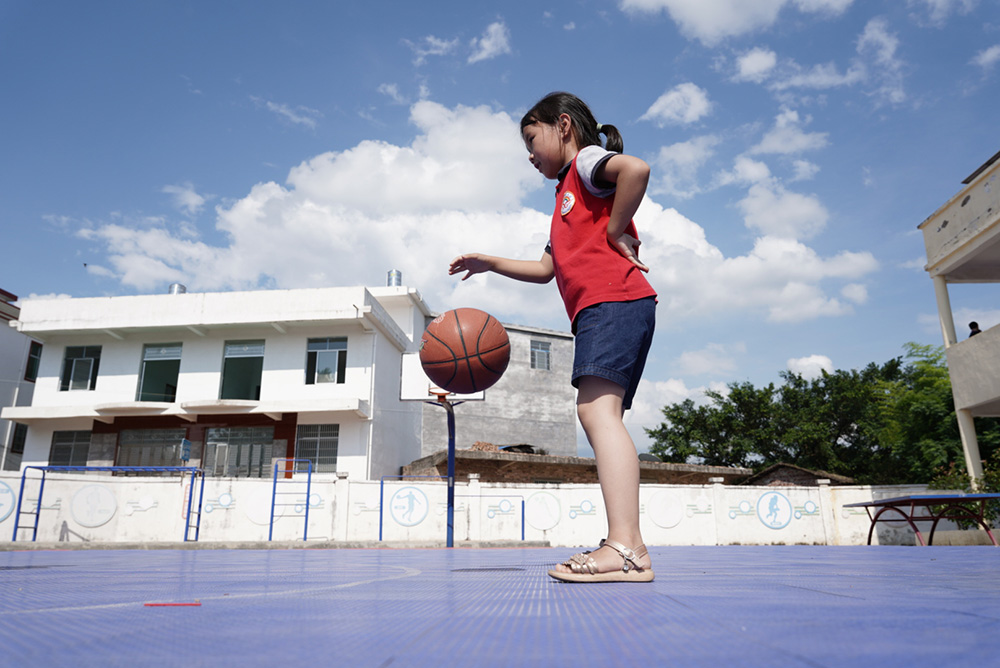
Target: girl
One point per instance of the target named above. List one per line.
(593, 255)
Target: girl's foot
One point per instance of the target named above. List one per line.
(612, 562)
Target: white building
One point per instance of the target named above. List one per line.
(19, 356)
(962, 239)
(235, 381)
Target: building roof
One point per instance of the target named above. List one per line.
(517, 467)
(792, 474)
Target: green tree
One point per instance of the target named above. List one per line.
(888, 423)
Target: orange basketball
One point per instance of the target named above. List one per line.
(464, 351)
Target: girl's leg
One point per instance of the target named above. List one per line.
(599, 406)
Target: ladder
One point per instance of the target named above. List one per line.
(288, 478)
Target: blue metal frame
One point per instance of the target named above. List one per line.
(194, 471)
(274, 494)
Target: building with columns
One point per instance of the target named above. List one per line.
(962, 239)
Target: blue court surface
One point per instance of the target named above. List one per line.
(709, 606)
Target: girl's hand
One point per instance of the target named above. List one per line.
(628, 246)
(472, 263)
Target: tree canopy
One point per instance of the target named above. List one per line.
(888, 423)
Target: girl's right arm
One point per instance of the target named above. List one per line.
(530, 271)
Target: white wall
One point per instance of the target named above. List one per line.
(104, 508)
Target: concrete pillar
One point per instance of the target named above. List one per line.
(826, 510)
(718, 505)
(970, 445)
(341, 507)
(966, 425)
(475, 507)
(944, 311)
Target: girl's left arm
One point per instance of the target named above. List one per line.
(630, 176)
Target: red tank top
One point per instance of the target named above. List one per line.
(588, 269)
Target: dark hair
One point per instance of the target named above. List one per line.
(552, 106)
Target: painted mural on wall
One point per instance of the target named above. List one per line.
(542, 511)
(93, 506)
(409, 506)
(7, 501)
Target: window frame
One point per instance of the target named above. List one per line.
(333, 344)
(168, 348)
(34, 361)
(79, 451)
(540, 350)
(229, 346)
(161, 439)
(241, 442)
(68, 377)
(311, 437)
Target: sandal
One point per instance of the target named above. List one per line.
(584, 568)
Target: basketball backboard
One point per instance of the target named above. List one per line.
(415, 386)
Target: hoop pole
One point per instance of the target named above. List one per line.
(451, 470)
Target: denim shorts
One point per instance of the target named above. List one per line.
(612, 341)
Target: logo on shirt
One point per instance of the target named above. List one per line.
(568, 200)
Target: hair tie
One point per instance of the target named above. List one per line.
(599, 126)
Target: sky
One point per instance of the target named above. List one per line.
(795, 146)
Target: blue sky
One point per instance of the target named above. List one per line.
(795, 147)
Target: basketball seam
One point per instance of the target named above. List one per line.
(465, 349)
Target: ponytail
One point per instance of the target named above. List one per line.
(586, 129)
(614, 138)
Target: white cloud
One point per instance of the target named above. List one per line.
(677, 166)
(787, 136)
(939, 10)
(987, 58)
(818, 77)
(711, 21)
(755, 65)
(780, 277)
(745, 170)
(296, 115)
(879, 45)
(346, 218)
(714, 359)
(431, 46)
(683, 104)
(185, 198)
(392, 92)
(51, 295)
(810, 367)
(917, 263)
(774, 211)
(495, 41)
(855, 292)
(804, 170)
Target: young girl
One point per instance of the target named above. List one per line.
(593, 255)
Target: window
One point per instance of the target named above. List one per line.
(238, 451)
(69, 448)
(34, 358)
(241, 370)
(150, 447)
(318, 444)
(540, 355)
(12, 462)
(158, 378)
(80, 368)
(326, 360)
